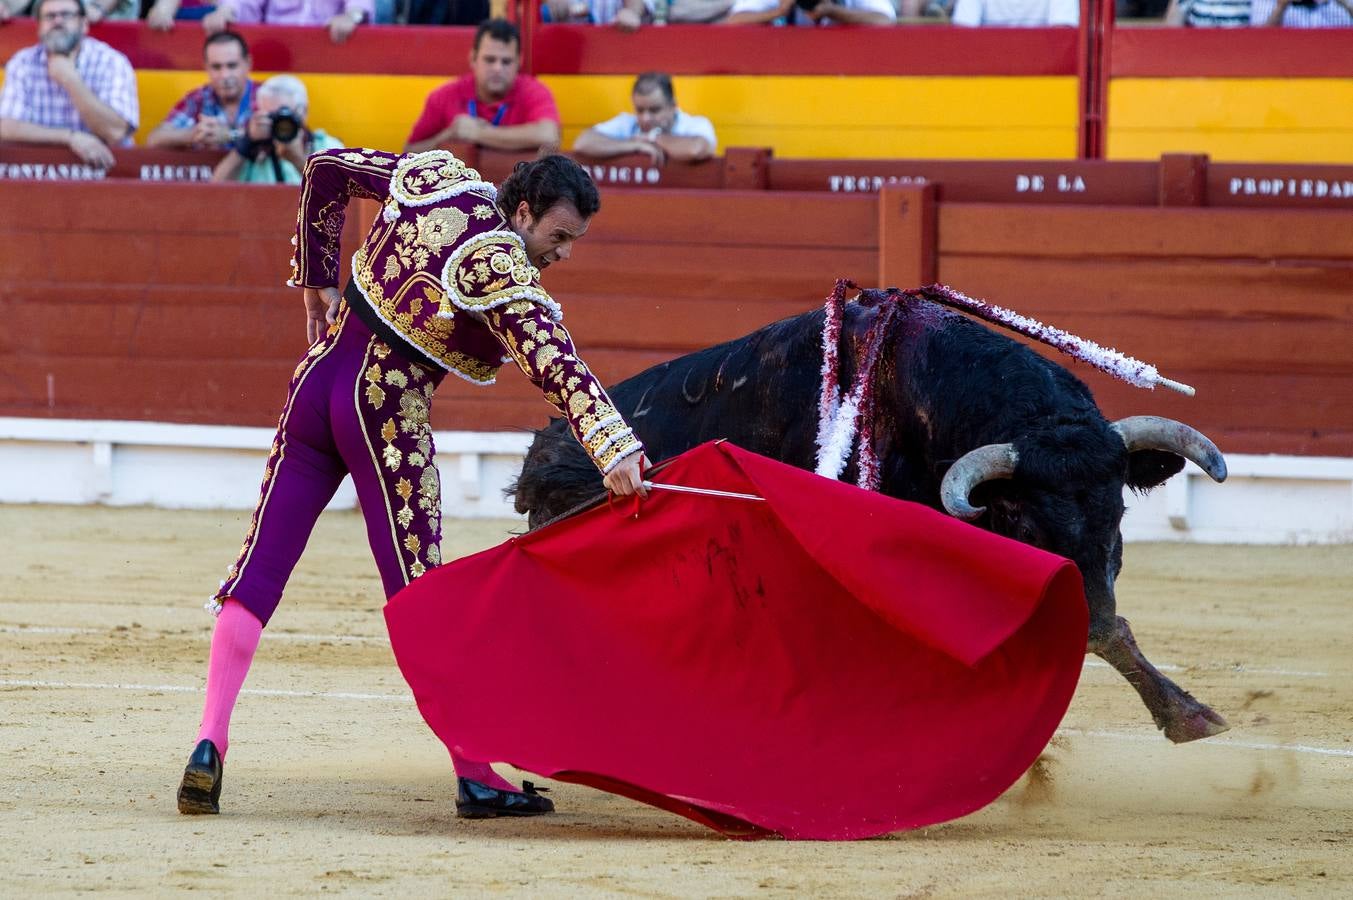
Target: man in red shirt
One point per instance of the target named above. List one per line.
(493, 106)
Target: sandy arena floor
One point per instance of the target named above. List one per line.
(335, 784)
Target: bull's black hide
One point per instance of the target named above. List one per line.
(945, 386)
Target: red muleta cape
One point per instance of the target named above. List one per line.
(828, 664)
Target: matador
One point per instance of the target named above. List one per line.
(447, 280)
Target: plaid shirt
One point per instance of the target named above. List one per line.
(204, 102)
(296, 12)
(29, 95)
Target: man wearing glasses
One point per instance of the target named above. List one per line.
(69, 89)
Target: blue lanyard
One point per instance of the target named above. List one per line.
(497, 117)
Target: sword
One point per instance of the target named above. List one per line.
(704, 492)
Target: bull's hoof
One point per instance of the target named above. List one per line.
(1199, 723)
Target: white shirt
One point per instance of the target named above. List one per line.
(625, 127)
(797, 17)
(1018, 13)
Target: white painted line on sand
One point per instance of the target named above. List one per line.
(1155, 738)
(267, 636)
(183, 689)
(40, 629)
(381, 639)
(403, 698)
(1236, 667)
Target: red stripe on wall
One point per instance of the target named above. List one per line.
(588, 50)
(751, 50)
(1231, 53)
(372, 50)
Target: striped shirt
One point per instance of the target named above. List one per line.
(30, 95)
(1217, 14)
(1324, 14)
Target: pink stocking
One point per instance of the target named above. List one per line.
(480, 772)
(232, 650)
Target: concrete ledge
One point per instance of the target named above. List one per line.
(213, 466)
(1266, 499)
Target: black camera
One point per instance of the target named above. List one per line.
(807, 5)
(285, 125)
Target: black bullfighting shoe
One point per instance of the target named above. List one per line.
(475, 800)
(200, 792)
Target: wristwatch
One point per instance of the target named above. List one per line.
(358, 16)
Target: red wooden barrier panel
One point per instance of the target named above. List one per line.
(1249, 307)
(41, 163)
(1016, 181)
(165, 301)
(1280, 185)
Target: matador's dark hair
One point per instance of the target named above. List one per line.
(546, 181)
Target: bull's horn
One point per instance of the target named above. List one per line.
(973, 468)
(1158, 433)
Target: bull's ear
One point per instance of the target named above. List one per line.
(1150, 468)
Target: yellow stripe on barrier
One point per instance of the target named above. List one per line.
(1232, 119)
(809, 117)
(1239, 119)
(827, 117)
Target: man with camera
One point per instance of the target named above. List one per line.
(811, 12)
(276, 142)
(69, 89)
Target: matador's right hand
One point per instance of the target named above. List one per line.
(321, 311)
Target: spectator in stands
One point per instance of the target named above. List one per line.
(69, 89)
(657, 127)
(493, 105)
(341, 17)
(812, 12)
(1302, 13)
(276, 142)
(162, 13)
(447, 12)
(216, 114)
(628, 15)
(1209, 13)
(1016, 13)
(625, 15)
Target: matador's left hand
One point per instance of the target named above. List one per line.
(321, 311)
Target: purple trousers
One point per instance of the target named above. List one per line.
(355, 406)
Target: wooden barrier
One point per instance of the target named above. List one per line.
(41, 163)
(1100, 91)
(1249, 307)
(165, 302)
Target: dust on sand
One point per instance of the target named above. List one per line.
(334, 783)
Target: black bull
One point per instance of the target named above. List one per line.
(967, 420)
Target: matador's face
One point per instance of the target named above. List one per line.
(550, 238)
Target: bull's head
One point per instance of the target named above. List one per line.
(1069, 500)
(1062, 491)
(1139, 433)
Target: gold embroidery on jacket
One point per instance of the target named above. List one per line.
(424, 178)
(492, 269)
(435, 331)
